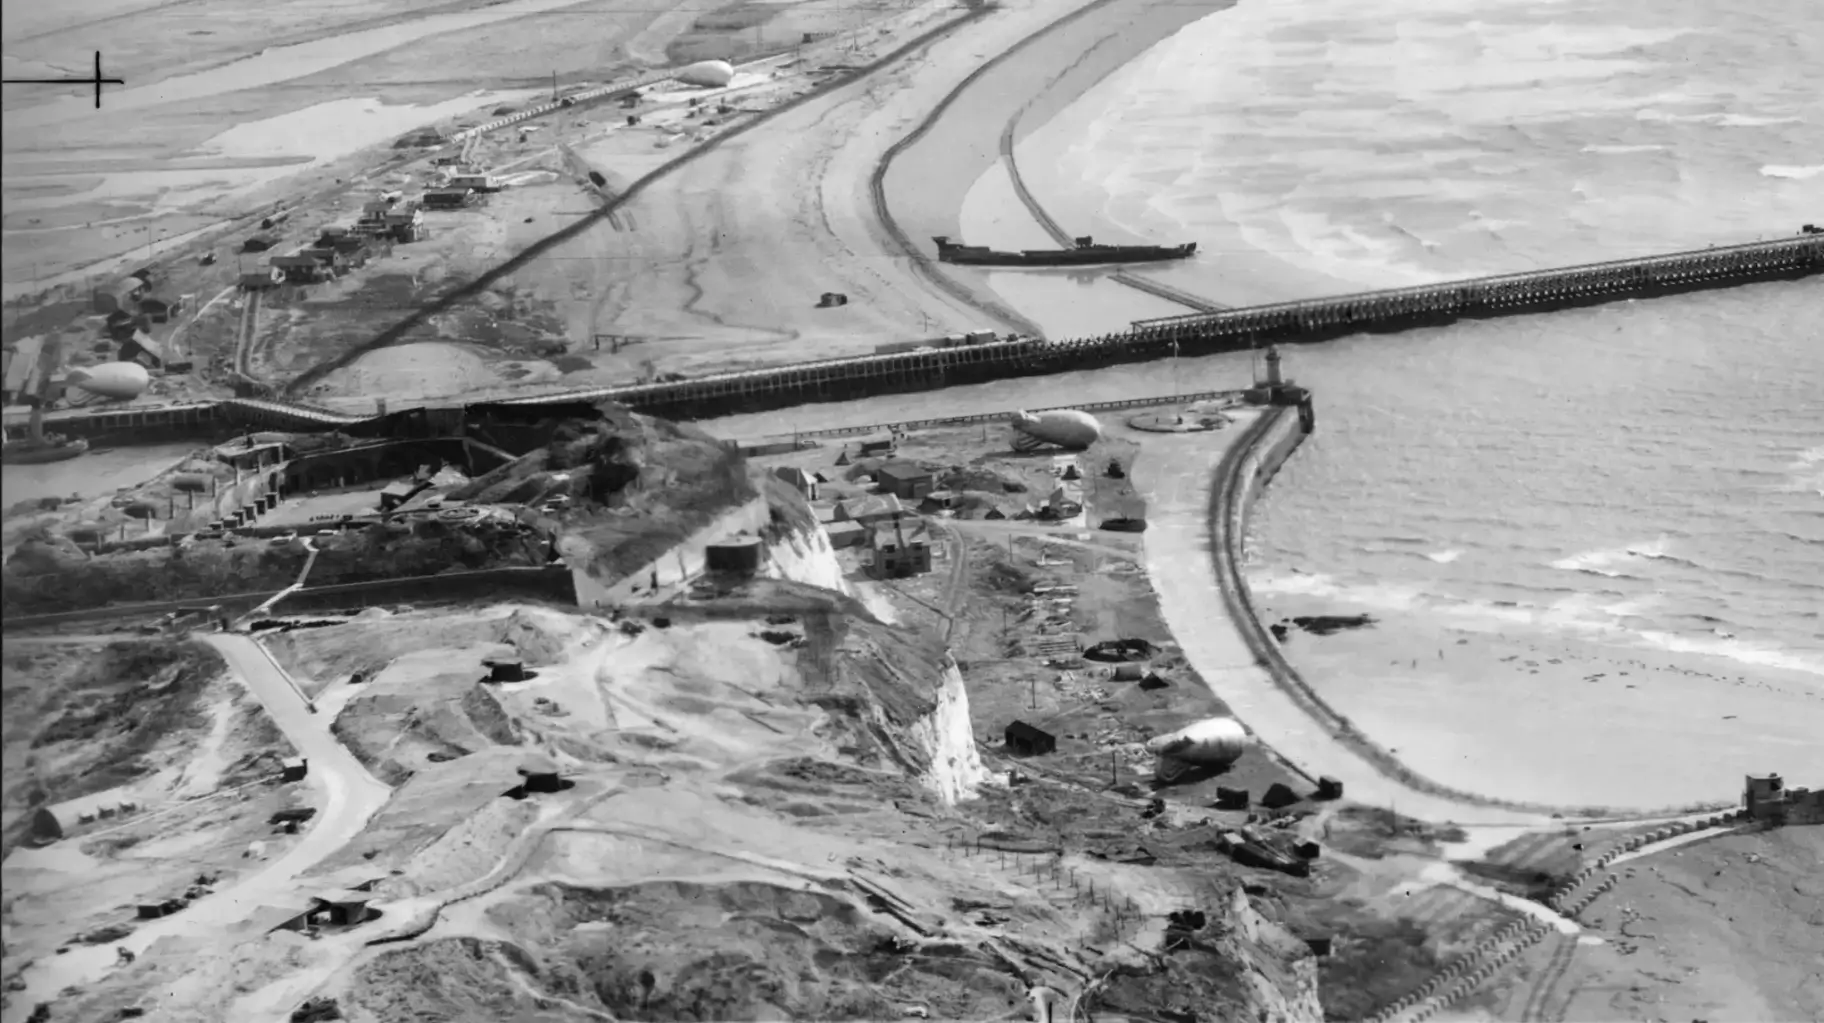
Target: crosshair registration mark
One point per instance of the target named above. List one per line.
(98, 81)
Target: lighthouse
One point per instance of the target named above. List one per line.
(1272, 378)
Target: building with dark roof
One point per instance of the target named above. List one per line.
(1024, 740)
(905, 480)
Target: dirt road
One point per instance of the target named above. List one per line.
(347, 796)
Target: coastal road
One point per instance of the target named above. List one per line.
(347, 796)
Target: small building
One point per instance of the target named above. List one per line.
(1278, 796)
(799, 480)
(120, 295)
(262, 279)
(332, 258)
(738, 555)
(301, 269)
(905, 480)
(1329, 788)
(287, 916)
(898, 552)
(341, 907)
(869, 509)
(941, 500)
(1023, 740)
(1065, 502)
(160, 310)
(353, 247)
(60, 820)
(846, 534)
(505, 670)
(825, 513)
(540, 775)
(142, 349)
(397, 493)
(478, 181)
(876, 447)
(446, 198)
(293, 768)
(1769, 800)
(404, 223)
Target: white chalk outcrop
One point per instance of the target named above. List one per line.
(1281, 975)
(805, 557)
(946, 734)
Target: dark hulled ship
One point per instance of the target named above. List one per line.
(1086, 252)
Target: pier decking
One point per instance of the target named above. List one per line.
(1228, 330)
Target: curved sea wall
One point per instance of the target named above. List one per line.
(1242, 474)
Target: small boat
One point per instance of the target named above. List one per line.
(36, 452)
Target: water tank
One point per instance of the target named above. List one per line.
(1213, 742)
(122, 381)
(1066, 428)
(710, 74)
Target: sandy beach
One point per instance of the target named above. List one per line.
(1469, 704)
(732, 250)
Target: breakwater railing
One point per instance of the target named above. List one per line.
(1246, 467)
(1501, 295)
(1489, 957)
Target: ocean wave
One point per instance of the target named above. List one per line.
(1591, 616)
(1804, 473)
(1757, 654)
(1775, 170)
(1598, 562)
(1719, 119)
(1445, 557)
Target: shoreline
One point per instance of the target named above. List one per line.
(1240, 472)
(927, 180)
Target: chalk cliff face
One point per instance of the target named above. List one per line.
(945, 734)
(1281, 974)
(805, 557)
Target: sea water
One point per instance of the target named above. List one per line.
(1596, 491)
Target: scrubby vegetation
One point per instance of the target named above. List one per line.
(83, 720)
(48, 576)
(636, 486)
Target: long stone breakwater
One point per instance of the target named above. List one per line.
(762, 390)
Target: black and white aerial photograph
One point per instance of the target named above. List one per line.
(877, 511)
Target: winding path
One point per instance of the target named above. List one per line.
(347, 796)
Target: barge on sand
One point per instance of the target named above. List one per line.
(52, 448)
(1086, 252)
